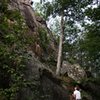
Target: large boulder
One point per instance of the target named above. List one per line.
(74, 71)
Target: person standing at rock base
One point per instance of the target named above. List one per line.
(77, 94)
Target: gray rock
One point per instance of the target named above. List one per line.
(74, 71)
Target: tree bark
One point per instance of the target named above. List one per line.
(59, 59)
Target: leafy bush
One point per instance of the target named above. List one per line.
(44, 41)
(13, 52)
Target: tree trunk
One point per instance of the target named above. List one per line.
(59, 59)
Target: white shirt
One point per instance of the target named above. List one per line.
(77, 94)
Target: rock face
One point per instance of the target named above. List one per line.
(74, 71)
(37, 28)
(53, 87)
(45, 85)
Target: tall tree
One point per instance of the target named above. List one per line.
(59, 60)
(71, 10)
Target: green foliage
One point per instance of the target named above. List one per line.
(3, 5)
(48, 9)
(71, 8)
(93, 14)
(13, 52)
(38, 8)
(43, 9)
(92, 87)
(44, 41)
(91, 42)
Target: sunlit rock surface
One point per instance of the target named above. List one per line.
(74, 71)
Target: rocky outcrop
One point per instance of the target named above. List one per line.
(36, 26)
(44, 84)
(74, 71)
(52, 87)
